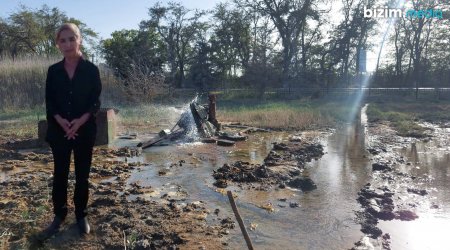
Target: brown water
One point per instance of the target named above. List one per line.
(325, 216)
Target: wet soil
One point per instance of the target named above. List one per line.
(133, 213)
(116, 219)
(282, 166)
(126, 213)
(394, 192)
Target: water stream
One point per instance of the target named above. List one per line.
(325, 217)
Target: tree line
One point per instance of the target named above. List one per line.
(32, 32)
(257, 44)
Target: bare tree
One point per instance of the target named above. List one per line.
(289, 17)
(178, 26)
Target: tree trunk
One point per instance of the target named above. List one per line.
(181, 77)
(286, 65)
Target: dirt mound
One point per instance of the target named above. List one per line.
(282, 166)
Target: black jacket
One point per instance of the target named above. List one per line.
(72, 98)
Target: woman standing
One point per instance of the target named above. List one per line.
(72, 94)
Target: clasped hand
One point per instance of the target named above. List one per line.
(71, 128)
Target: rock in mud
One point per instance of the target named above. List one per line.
(226, 143)
(385, 214)
(368, 193)
(417, 191)
(293, 204)
(386, 241)
(306, 152)
(162, 172)
(376, 150)
(377, 203)
(221, 183)
(381, 167)
(295, 172)
(104, 202)
(121, 152)
(142, 244)
(295, 138)
(305, 184)
(371, 230)
(232, 137)
(280, 146)
(240, 172)
(228, 223)
(434, 206)
(272, 158)
(209, 140)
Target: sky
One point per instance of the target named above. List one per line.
(103, 16)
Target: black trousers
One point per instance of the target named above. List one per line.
(82, 158)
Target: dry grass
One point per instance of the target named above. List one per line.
(279, 116)
(114, 92)
(23, 82)
(22, 85)
(279, 119)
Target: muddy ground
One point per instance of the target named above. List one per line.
(117, 220)
(392, 194)
(282, 167)
(122, 214)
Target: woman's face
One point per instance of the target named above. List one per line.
(69, 44)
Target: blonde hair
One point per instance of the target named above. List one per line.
(68, 26)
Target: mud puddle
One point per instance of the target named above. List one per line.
(277, 217)
(428, 161)
(406, 203)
